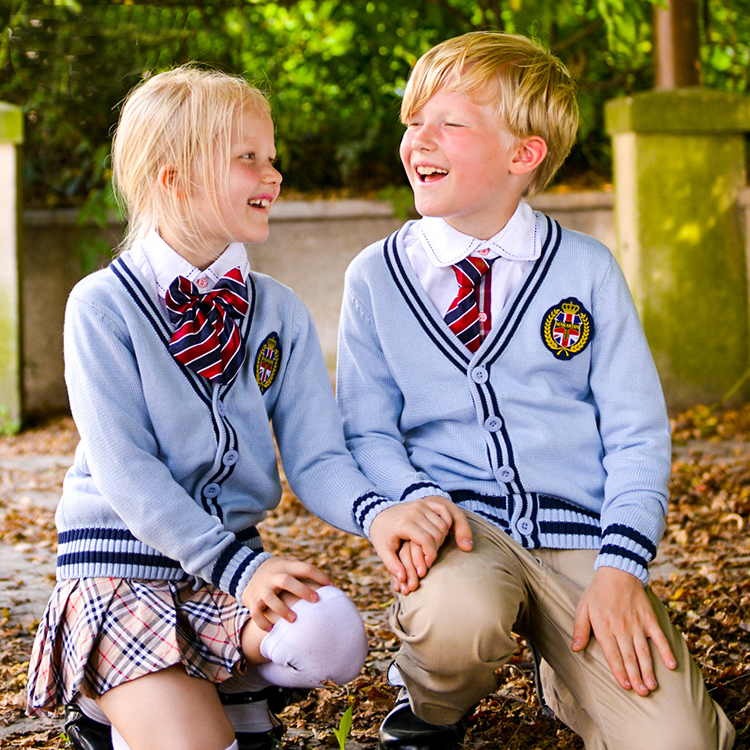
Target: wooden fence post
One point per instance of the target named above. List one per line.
(11, 384)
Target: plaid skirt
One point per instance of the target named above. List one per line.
(97, 633)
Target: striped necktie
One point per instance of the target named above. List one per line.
(463, 314)
(207, 338)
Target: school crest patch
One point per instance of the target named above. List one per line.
(267, 361)
(567, 328)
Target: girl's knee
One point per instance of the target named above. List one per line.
(327, 641)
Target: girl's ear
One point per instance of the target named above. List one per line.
(530, 154)
(167, 179)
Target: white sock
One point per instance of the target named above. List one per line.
(118, 743)
(327, 641)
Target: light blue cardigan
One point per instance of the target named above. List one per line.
(559, 450)
(172, 472)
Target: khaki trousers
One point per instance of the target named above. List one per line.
(455, 631)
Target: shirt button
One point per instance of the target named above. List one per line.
(505, 474)
(524, 526)
(493, 424)
(480, 375)
(230, 458)
(220, 408)
(211, 490)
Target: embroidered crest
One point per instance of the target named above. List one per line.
(267, 361)
(567, 328)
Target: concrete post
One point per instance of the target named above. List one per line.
(679, 166)
(11, 386)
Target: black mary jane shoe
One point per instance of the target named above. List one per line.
(85, 733)
(403, 730)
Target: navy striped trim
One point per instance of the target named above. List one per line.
(462, 496)
(447, 343)
(105, 557)
(246, 535)
(613, 549)
(633, 535)
(145, 304)
(526, 295)
(226, 557)
(569, 527)
(252, 295)
(237, 577)
(418, 486)
(96, 534)
(500, 340)
(362, 507)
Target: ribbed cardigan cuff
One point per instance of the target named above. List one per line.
(368, 506)
(235, 567)
(626, 549)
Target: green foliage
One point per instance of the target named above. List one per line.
(334, 69)
(345, 725)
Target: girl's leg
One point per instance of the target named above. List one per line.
(168, 709)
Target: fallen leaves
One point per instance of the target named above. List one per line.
(708, 596)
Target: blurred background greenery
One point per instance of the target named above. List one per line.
(334, 70)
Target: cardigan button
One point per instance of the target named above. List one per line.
(230, 458)
(505, 474)
(220, 409)
(480, 375)
(493, 424)
(211, 490)
(524, 526)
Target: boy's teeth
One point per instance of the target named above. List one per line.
(425, 171)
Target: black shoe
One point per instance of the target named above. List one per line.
(402, 730)
(85, 733)
(270, 740)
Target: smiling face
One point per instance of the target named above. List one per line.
(248, 186)
(463, 164)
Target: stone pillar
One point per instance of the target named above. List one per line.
(11, 386)
(679, 166)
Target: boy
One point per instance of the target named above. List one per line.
(496, 385)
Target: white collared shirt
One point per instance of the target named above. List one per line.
(161, 265)
(433, 246)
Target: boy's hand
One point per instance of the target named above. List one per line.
(424, 522)
(615, 605)
(276, 585)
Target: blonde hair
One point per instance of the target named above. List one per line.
(531, 89)
(183, 119)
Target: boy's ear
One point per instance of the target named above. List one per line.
(530, 154)
(167, 179)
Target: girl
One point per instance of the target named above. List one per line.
(177, 356)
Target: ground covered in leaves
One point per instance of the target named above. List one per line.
(708, 594)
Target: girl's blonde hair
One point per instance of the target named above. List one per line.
(181, 119)
(531, 89)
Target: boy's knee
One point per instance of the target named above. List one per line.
(327, 641)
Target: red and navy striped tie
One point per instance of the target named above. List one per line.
(207, 339)
(463, 314)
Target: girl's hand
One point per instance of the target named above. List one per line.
(277, 584)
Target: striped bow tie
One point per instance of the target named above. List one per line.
(463, 314)
(207, 339)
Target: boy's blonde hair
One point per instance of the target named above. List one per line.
(182, 119)
(532, 90)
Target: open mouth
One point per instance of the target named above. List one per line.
(259, 202)
(430, 174)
